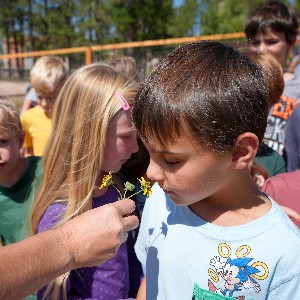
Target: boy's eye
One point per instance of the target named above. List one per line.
(171, 163)
(3, 141)
(254, 43)
(272, 42)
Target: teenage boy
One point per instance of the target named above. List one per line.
(273, 27)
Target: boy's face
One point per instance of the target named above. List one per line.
(187, 173)
(46, 100)
(10, 147)
(272, 41)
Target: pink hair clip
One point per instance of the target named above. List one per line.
(122, 100)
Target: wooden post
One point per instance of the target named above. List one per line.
(88, 55)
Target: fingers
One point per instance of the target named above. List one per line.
(130, 222)
(125, 206)
(291, 213)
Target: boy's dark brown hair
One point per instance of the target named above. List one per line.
(275, 15)
(207, 90)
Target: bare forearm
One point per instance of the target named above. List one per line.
(87, 240)
(142, 290)
(32, 263)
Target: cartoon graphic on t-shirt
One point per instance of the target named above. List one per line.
(230, 275)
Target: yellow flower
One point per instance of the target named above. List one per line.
(107, 180)
(145, 186)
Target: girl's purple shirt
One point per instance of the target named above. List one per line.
(110, 280)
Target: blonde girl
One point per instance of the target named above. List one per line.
(92, 135)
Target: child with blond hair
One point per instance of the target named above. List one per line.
(47, 77)
(17, 176)
(92, 136)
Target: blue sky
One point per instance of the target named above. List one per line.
(177, 2)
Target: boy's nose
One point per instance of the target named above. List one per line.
(154, 172)
(262, 48)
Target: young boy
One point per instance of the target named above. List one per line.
(267, 157)
(17, 176)
(207, 231)
(47, 77)
(273, 28)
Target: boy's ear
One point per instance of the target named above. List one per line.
(246, 146)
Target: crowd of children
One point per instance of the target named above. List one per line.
(213, 127)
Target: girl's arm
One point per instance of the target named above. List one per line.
(142, 290)
(87, 240)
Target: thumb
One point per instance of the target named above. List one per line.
(125, 206)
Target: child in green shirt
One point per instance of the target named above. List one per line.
(18, 175)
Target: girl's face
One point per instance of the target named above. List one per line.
(271, 41)
(121, 142)
(187, 173)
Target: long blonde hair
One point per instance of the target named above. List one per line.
(75, 151)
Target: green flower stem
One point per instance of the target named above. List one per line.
(122, 197)
(134, 194)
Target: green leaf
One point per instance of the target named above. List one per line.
(129, 186)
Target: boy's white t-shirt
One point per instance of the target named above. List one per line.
(185, 257)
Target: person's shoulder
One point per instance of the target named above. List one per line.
(291, 88)
(52, 215)
(287, 176)
(35, 162)
(283, 187)
(34, 159)
(158, 198)
(284, 226)
(157, 192)
(31, 112)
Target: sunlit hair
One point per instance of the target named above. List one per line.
(125, 65)
(75, 151)
(10, 118)
(258, 173)
(207, 90)
(275, 15)
(272, 71)
(48, 74)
